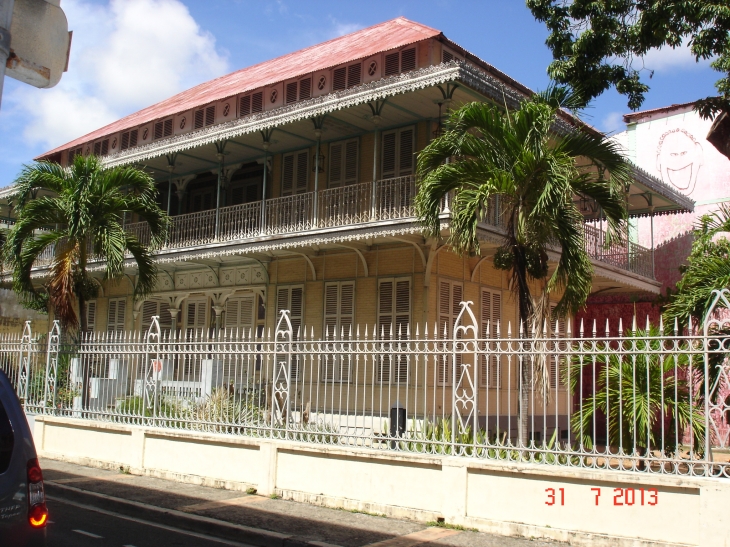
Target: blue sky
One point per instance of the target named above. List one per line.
(128, 54)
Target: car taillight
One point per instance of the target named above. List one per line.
(37, 511)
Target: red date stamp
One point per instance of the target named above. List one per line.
(621, 496)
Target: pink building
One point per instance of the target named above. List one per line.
(670, 144)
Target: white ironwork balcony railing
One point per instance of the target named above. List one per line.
(347, 206)
(649, 401)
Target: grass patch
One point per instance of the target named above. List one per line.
(275, 496)
(450, 526)
(251, 491)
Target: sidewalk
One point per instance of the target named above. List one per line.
(250, 518)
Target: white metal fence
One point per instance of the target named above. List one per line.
(654, 399)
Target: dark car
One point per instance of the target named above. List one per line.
(23, 513)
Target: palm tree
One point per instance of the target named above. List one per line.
(637, 396)
(707, 268)
(77, 213)
(516, 156)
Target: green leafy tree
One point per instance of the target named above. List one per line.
(597, 45)
(76, 214)
(634, 396)
(487, 153)
(707, 268)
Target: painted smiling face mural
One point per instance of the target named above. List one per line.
(679, 158)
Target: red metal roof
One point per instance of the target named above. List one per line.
(357, 45)
(642, 113)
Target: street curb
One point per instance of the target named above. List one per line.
(180, 519)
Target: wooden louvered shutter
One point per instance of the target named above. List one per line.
(125, 140)
(392, 64)
(302, 172)
(305, 89)
(389, 165)
(339, 304)
(133, 135)
(291, 92)
(168, 127)
(210, 115)
(450, 296)
(394, 310)
(90, 315)
(149, 309)
(339, 79)
(158, 130)
(244, 106)
(257, 102)
(239, 316)
(405, 160)
(97, 148)
(195, 318)
(351, 161)
(491, 314)
(292, 299)
(557, 348)
(199, 118)
(287, 181)
(408, 60)
(335, 165)
(116, 314)
(354, 75)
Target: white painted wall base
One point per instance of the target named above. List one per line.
(498, 497)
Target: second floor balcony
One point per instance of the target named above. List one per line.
(385, 202)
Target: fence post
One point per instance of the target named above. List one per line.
(24, 363)
(464, 394)
(281, 384)
(54, 339)
(710, 426)
(153, 367)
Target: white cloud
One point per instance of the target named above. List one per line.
(340, 29)
(666, 58)
(125, 55)
(613, 122)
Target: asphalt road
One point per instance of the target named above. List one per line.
(77, 525)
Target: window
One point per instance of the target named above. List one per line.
(239, 317)
(449, 299)
(447, 56)
(398, 149)
(163, 129)
(394, 314)
(249, 104)
(295, 173)
(73, 153)
(90, 310)
(339, 311)
(400, 61)
(292, 299)
(300, 90)
(151, 308)
(101, 148)
(116, 315)
(129, 139)
(491, 315)
(343, 163)
(204, 117)
(201, 200)
(346, 77)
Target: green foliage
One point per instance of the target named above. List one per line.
(516, 157)
(597, 45)
(707, 269)
(84, 206)
(638, 393)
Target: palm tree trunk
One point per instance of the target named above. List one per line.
(525, 310)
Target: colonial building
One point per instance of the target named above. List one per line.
(291, 186)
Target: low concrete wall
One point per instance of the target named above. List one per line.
(590, 507)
